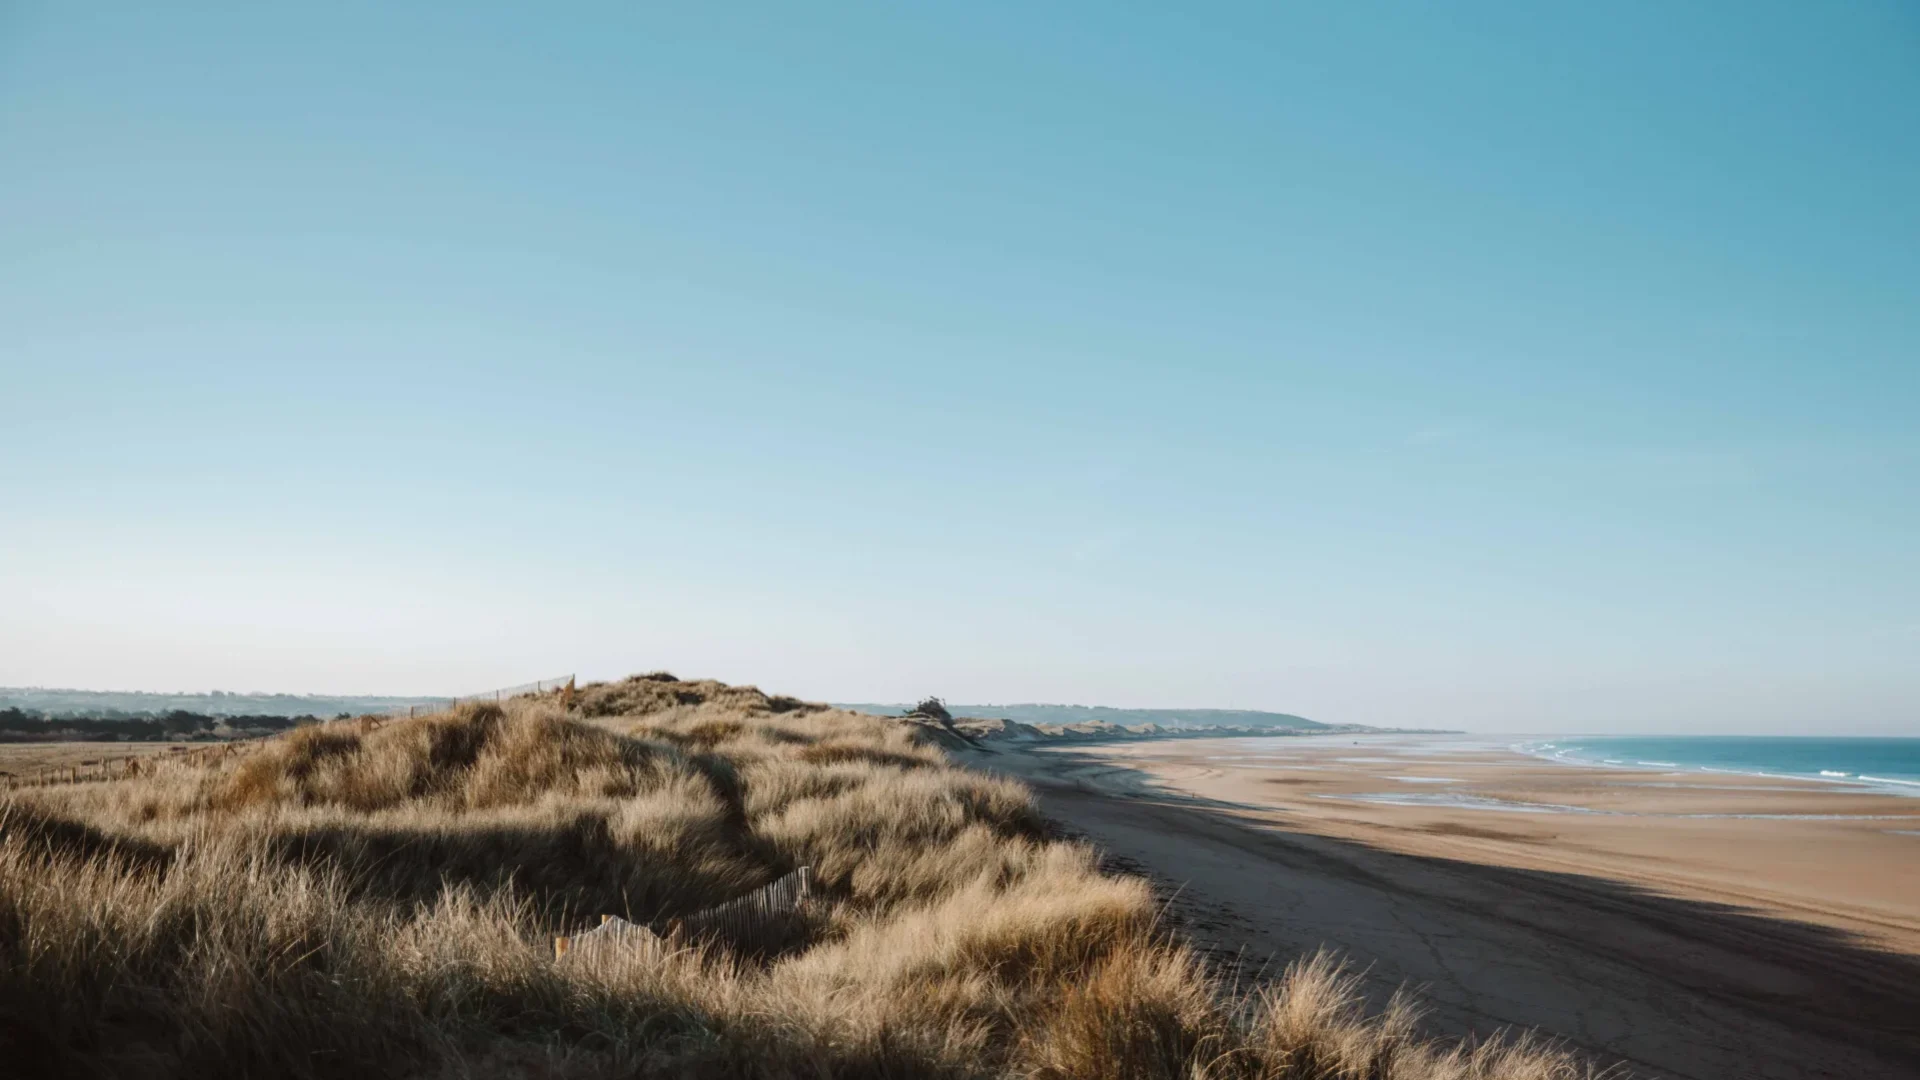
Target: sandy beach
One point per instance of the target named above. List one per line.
(1688, 924)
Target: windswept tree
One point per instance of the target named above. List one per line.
(933, 709)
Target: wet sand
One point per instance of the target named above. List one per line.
(1692, 925)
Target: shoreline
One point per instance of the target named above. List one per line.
(1693, 925)
(1908, 787)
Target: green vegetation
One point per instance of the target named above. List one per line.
(22, 724)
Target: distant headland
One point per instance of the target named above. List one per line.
(1029, 722)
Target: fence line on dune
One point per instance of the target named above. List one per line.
(116, 768)
(206, 753)
(434, 705)
(735, 920)
(739, 917)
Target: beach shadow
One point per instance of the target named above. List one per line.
(48, 836)
(567, 873)
(1102, 776)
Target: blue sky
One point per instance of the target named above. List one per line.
(1504, 366)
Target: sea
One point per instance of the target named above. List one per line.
(1892, 764)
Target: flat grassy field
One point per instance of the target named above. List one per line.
(26, 758)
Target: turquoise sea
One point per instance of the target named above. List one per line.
(1891, 763)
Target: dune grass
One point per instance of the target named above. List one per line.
(353, 900)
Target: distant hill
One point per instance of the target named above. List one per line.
(1090, 714)
(109, 703)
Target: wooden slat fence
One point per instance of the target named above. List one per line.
(613, 932)
(741, 919)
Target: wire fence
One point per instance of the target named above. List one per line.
(126, 766)
(434, 705)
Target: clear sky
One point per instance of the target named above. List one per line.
(1506, 366)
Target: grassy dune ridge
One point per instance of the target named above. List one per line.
(360, 900)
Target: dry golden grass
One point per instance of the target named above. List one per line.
(356, 901)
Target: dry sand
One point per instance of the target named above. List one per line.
(1617, 909)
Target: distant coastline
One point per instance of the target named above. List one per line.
(62, 701)
(1085, 723)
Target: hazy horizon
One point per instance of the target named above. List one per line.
(1486, 367)
(985, 709)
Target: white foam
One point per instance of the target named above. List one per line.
(1856, 781)
(1800, 817)
(1886, 780)
(1463, 802)
(1809, 790)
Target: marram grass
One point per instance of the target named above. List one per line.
(359, 901)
